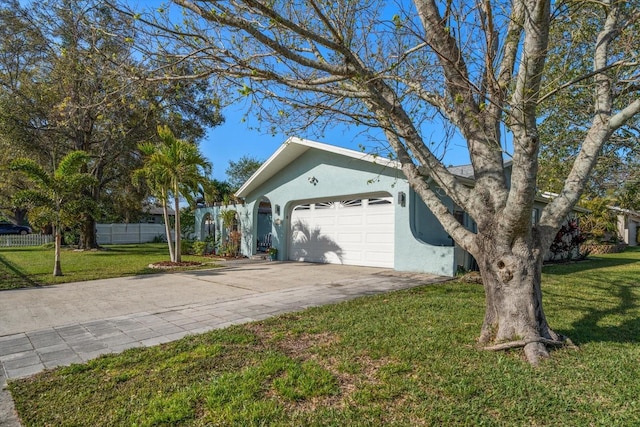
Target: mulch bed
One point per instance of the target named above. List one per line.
(167, 265)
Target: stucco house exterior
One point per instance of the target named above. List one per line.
(321, 203)
(628, 225)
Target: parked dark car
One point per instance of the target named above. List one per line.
(8, 228)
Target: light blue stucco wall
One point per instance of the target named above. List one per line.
(339, 177)
(219, 231)
(412, 252)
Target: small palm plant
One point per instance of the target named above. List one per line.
(56, 197)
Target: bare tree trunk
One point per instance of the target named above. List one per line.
(178, 249)
(57, 268)
(514, 316)
(167, 229)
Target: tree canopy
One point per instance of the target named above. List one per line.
(70, 80)
(239, 171)
(565, 117)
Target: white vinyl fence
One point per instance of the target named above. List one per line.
(25, 240)
(108, 234)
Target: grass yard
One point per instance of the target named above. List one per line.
(33, 266)
(403, 359)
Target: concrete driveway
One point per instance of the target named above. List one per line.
(58, 325)
(34, 309)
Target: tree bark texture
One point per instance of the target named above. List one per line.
(178, 249)
(88, 237)
(511, 276)
(57, 268)
(167, 229)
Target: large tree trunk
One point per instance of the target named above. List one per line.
(19, 216)
(514, 317)
(88, 238)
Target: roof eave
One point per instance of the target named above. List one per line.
(264, 172)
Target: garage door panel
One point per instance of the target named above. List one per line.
(354, 220)
(383, 219)
(348, 232)
(349, 237)
(377, 257)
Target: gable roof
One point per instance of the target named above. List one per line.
(293, 148)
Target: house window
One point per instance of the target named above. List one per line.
(324, 205)
(351, 203)
(379, 202)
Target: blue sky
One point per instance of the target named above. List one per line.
(238, 136)
(234, 139)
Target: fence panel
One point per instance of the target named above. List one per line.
(25, 240)
(114, 234)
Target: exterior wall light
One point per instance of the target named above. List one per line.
(402, 198)
(278, 210)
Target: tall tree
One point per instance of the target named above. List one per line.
(241, 170)
(474, 66)
(55, 198)
(175, 167)
(563, 119)
(69, 80)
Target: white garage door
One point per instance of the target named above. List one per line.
(353, 232)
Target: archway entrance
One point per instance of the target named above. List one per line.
(208, 227)
(231, 235)
(264, 225)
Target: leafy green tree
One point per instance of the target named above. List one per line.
(10, 183)
(417, 72)
(174, 167)
(55, 197)
(600, 225)
(240, 171)
(70, 80)
(565, 118)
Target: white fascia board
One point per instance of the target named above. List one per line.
(294, 147)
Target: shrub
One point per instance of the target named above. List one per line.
(566, 245)
(159, 239)
(199, 247)
(186, 247)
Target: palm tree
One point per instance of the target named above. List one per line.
(156, 180)
(173, 167)
(55, 198)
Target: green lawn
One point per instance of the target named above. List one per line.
(402, 359)
(33, 266)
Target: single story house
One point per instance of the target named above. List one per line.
(321, 203)
(153, 214)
